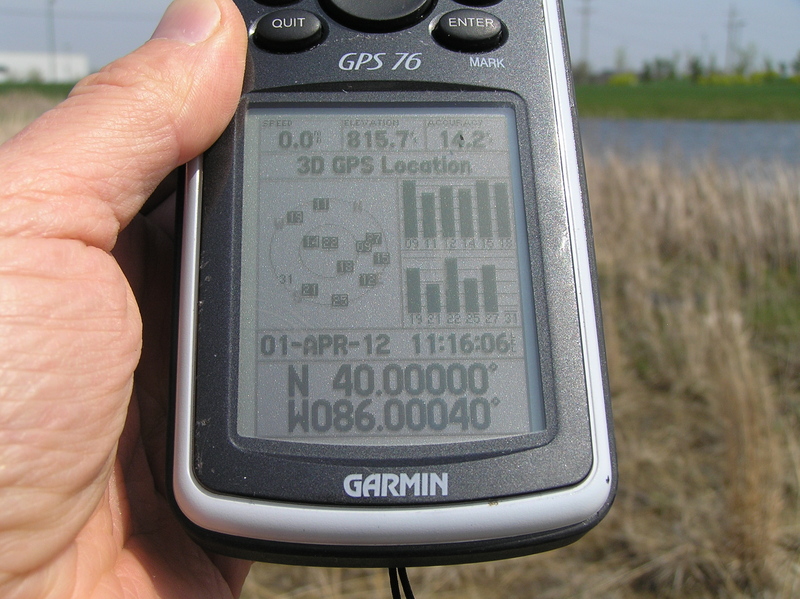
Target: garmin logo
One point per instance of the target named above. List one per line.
(421, 484)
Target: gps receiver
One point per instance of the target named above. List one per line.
(390, 351)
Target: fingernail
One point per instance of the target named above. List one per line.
(188, 21)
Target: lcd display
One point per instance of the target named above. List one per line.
(386, 281)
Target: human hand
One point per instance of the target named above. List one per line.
(84, 333)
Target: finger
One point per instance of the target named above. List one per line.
(85, 168)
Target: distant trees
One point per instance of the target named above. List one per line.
(693, 69)
(659, 69)
(696, 70)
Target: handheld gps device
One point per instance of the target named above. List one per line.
(390, 349)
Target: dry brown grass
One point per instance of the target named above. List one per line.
(708, 498)
(700, 282)
(699, 275)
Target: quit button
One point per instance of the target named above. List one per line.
(469, 30)
(288, 30)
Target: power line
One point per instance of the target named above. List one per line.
(586, 13)
(735, 25)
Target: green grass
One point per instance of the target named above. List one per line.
(779, 101)
(683, 100)
(49, 90)
(774, 313)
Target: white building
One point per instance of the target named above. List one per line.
(42, 66)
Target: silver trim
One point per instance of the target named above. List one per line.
(479, 521)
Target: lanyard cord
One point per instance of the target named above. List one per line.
(394, 573)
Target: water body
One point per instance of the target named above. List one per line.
(725, 142)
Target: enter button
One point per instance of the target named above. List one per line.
(469, 30)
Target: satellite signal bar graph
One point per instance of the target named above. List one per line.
(476, 293)
(482, 210)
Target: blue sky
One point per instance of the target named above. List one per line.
(627, 31)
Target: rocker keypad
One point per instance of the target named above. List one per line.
(290, 30)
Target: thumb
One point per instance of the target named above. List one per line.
(84, 169)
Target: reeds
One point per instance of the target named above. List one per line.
(699, 281)
(686, 256)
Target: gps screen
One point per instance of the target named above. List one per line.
(386, 289)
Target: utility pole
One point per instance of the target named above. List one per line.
(586, 14)
(704, 53)
(735, 25)
(51, 39)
